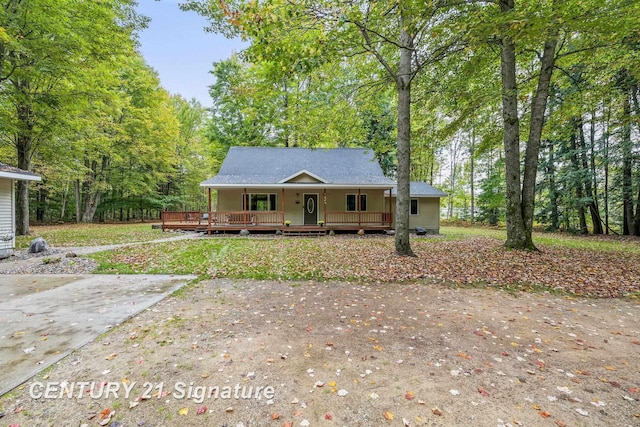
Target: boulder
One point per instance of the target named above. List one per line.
(361, 232)
(390, 232)
(244, 232)
(421, 231)
(38, 245)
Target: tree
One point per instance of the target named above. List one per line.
(402, 38)
(48, 50)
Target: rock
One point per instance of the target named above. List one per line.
(70, 255)
(38, 245)
(361, 232)
(156, 226)
(278, 233)
(421, 231)
(390, 232)
(332, 233)
(244, 232)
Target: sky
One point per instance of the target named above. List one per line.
(182, 53)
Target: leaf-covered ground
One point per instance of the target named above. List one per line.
(475, 261)
(349, 354)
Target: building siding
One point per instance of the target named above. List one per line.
(7, 227)
(231, 200)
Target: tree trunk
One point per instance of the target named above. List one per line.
(472, 175)
(588, 180)
(578, 185)
(627, 161)
(24, 144)
(516, 233)
(403, 83)
(553, 188)
(520, 202)
(597, 221)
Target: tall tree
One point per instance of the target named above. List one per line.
(47, 50)
(402, 37)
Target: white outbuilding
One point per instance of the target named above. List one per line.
(8, 176)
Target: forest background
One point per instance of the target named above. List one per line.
(512, 103)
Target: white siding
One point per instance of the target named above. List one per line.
(6, 217)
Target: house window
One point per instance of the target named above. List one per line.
(260, 202)
(414, 207)
(352, 205)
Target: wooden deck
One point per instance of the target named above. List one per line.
(270, 222)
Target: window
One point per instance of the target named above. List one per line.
(351, 202)
(414, 207)
(260, 202)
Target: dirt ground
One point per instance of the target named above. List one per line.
(344, 354)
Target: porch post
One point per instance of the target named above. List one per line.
(324, 203)
(359, 207)
(390, 208)
(282, 218)
(209, 211)
(244, 208)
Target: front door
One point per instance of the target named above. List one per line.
(310, 209)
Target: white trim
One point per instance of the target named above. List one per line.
(19, 176)
(303, 172)
(296, 186)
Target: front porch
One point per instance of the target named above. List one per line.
(271, 221)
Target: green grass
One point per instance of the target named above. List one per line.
(91, 234)
(572, 241)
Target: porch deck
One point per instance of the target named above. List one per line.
(265, 222)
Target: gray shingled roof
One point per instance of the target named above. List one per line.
(11, 172)
(421, 189)
(269, 165)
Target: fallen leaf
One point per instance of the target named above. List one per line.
(275, 416)
(544, 414)
(409, 395)
(111, 356)
(388, 415)
(201, 410)
(482, 391)
(183, 411)
(436, 411)
(328, 416)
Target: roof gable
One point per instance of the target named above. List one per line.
(304, 176)
(264, 166)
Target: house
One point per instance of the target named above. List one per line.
(268, 188)
(424, 208)
(8, 175)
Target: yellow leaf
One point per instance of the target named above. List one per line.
(388, 415)
(183, 411)
(609, 368)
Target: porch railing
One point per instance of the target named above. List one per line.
(246, 218)
(272, 218)
(182, 217)
(370, 218)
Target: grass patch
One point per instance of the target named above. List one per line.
(91, 234)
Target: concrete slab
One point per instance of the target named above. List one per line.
(43, 318)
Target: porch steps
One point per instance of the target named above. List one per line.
(311, 232)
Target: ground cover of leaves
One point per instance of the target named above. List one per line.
(353, 354)
(469, 261)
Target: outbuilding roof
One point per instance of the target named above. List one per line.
(420, 189)
(11, 172)
(263, 166)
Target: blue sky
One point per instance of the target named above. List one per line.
(177, 47)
